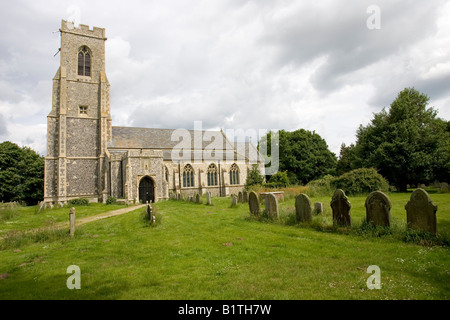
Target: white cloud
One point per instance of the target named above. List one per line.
(232, 64)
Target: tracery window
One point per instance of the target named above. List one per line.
(234, 174)
(84, 62)
(212, 175)
(188, 176)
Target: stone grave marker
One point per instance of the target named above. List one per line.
(318, 207)
(197, 198)
(421, 212)
(303, 210)
(234, 200)
(245, 196)
(341, 209)
(253, 203)
(240, 197)
(271, 204)
(378, 209)
(208, 198)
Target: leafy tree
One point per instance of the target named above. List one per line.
(348, 159)
(303, 154)
(21, 174)
(407, 143)
(254, 177)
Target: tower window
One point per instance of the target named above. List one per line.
(84, 62)
(83, 111)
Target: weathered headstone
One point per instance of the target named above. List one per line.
(234, 200)
(208, 198)
(72, 221)
(245, 196)
(253, 203)
(341, 209)
(318, 207)
(197, 198)
(421, 212)
(271, 204)
(240, 197)
(303, 210)
(378, 209)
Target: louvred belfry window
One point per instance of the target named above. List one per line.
(84, 62)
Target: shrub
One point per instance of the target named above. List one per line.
(278, 180)
(79, 202)
(254, 178)
(111, 200)
(321, 187)
(360, 181)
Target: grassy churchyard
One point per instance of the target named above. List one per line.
(199, 251)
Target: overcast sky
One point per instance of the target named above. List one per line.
(232, 64)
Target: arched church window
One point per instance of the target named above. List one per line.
(212, 175)
(84, 62)
(234, 174)
(188, 176)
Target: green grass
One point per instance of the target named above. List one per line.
(197, 251)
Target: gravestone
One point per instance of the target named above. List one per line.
(271, 204)
(378, 209)
(253, 203)
(234, 200)
(421, 212)
(341, 209)
(240, 197)
(303, 210)
(318, 207)
(197, 198)
(245, 196)
(208, 198)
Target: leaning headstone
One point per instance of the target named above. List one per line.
(208, 198)
(341, 209)
(378, 209)
(234, 200)
(318, 207)
(253, 203)
(197, 198)
(245, 196)
(303, 210)
(72, 221)
(240, 197)
(421, 212)
(271, 204)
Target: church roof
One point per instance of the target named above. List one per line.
(167, 139)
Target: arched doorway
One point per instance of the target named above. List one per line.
(146, 190)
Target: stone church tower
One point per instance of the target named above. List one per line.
(79, 124)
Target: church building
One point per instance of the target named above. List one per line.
(88, 157)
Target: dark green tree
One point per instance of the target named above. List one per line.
(407, 143)
(348, 159)
(21, 174)
(303, 154)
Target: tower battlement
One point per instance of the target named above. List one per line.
(82, 30)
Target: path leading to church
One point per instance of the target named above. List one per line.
(99, 216)
(107, 214)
